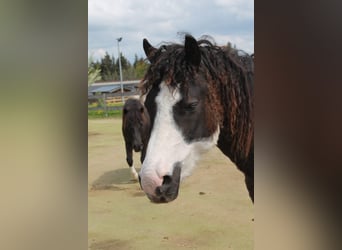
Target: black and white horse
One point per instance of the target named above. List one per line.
(198, 95)
(136, 131)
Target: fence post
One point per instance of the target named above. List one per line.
(105, 104)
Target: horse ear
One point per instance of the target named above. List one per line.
(192, 51)
(149, 49)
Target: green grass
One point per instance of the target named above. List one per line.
(101, 113)
(96, 104)
(94, 114)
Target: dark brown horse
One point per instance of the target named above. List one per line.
(198, 95)
(136, 131)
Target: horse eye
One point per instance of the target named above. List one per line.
(191, 106)
(141, 109)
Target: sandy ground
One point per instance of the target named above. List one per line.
(212, 211)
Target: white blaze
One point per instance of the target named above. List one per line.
(167, 144)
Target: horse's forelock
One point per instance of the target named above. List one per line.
(167, 65)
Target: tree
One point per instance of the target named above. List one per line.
(107, 68)
(140, 68)
(135, 60)
(94, 72)
(126, 68)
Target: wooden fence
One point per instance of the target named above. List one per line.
(105, 101)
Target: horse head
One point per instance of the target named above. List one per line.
(198, 95)
(184, 125)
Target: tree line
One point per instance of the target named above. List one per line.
(107, 69)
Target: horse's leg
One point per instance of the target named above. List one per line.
(129, 159)
(143, 153)
(249, 180)
(134, 173)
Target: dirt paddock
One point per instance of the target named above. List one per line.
(212, 211)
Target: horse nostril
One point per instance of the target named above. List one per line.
(161, 195)
(159, 191)
(168, 190)
(165, 187)
(167, 179)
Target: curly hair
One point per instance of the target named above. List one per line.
(229, 75)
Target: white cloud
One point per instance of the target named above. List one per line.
(243, 42)
(160, 20)
(242, 9)
(96, 53)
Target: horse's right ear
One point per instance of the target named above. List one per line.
(192, 51)
(149, 50)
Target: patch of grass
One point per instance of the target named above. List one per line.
(108, 104)
(94, 114)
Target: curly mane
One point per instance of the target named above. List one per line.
(229, 75)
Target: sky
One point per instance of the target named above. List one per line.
(165, 21)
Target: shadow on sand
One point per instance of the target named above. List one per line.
(111, 180)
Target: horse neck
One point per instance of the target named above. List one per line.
(236, 138)
(225, 144)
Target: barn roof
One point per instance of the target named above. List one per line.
(112, 87)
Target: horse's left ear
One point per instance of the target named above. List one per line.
(192, 51)
(149, 50)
